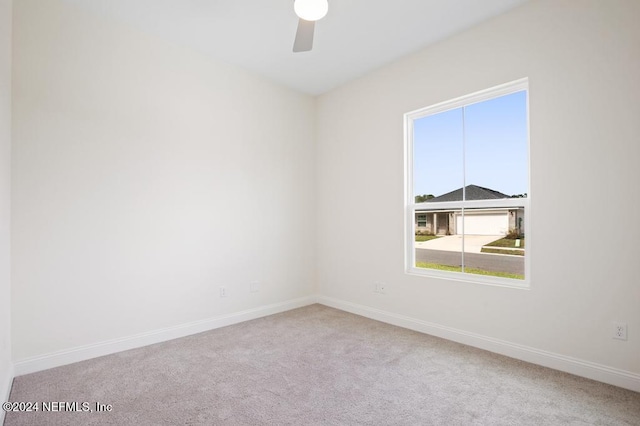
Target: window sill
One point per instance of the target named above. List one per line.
(462, 277)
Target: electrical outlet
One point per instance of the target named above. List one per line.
(619, 330)
(379, 287)
(223, 292)
(254, 286)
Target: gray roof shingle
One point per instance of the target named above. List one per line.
(472, 192)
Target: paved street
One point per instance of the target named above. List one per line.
(488, 262)
(472, 243)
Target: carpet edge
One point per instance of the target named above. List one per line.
(85, 352)
(587, 369)
(5, 389)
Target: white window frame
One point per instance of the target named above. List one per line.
(411, 206)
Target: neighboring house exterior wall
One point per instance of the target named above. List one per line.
(487, 222)
(516, 221)
(436, 223)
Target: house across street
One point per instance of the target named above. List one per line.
(486, 221)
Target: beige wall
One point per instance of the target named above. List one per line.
(146, 176)
(5, 168)
(582, 59)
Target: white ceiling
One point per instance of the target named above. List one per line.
(355, 37)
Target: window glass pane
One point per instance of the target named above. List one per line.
(442, 251)
(438, 154)
(488, 248)
(495, 167)
(438, 171)
(496, 145)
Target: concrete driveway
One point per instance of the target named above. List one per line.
(472, 243)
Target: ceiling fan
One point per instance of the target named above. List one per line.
(309, 11)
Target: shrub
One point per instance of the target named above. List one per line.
(514, 234)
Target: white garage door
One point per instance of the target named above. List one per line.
(483, 223)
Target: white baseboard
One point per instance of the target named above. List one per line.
(590, 370)
(5, 390)
(82, 353)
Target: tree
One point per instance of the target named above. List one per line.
(423, 198)
(519, 195)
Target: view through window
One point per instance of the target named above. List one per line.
(468, 185)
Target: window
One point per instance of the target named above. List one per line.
(421, 220)
(467, 194)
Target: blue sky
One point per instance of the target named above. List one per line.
(495, 147)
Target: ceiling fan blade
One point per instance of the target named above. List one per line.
(304, 36)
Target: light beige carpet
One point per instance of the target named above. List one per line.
(319, 366)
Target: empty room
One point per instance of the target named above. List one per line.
(414, 212)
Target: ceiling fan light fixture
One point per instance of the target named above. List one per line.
(311, 10)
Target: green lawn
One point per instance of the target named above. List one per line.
(502, 251)
(506, 242)
(425, 237)
(475, 271)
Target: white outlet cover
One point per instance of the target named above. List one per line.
(619, 330)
